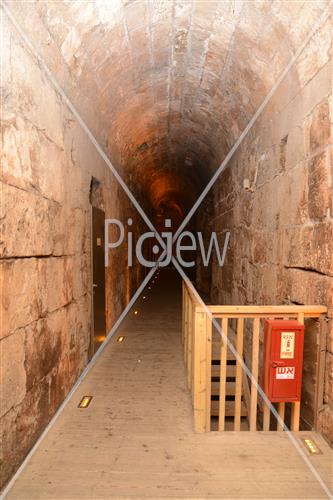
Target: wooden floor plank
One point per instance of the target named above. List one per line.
(136, 439)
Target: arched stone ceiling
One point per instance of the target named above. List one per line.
(168, 85)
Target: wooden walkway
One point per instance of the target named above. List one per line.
(136, 439)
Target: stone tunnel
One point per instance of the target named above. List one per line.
(108, 106)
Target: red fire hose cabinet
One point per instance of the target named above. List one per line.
(283, 360)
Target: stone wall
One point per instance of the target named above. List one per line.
(281, 246)
(47, 166)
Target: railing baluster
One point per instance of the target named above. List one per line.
(199, 371)
(193, 347)
(239, 374)
(281, 411)
(223, 373)
(296, 406)
(186, 300)
(189, 343)
(208, 371)
(183, 312)
(266, 418)
(254, 370)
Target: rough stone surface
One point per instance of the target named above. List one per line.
(45, 309)
(166, 87)
(282, 228)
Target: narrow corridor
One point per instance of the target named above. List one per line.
(136, 438)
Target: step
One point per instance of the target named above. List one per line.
(230, 388)
(229, 424)
(231, 371)
(229, 409)
(216, 352)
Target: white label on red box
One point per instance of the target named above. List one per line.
(283, 372)
(287, 345)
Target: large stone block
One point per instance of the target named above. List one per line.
(55, 279)
(23, 425)
(307, 287)
(21, 295)
(17, 166)
(317, 128)
(81, 275)
(26, 223)
(13, 375)
(60, 384)
(9, 457)
(309, 247)
(43, 348)
(50, 168)
(316, 54)
(318, 190)
(325, 423)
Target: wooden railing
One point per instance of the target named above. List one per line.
(212, 369)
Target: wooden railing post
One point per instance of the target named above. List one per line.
(254, 371)
(239, 374)
(223, 373)
(200, 371)
(266, 417)
(183, 312)
(281, 412)
(296, 407)
(189, 342)
(185, 320)
(209, 338)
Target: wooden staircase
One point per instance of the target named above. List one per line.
(222, 396)
(230, 389)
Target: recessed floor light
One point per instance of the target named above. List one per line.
(121, 338)
(311, 446)
(136, 312)
(85, 402)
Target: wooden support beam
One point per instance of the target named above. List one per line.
(266, 418)
(189, 344)
(239, 373)
(223, 373)
(200, 371)
(312, 311)
(320, 371)
(208, 371)
(247, 395)
(254, 370)
(296, 406)
(186, 324)
(281, 412)
(295, 415)
(183, 312)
